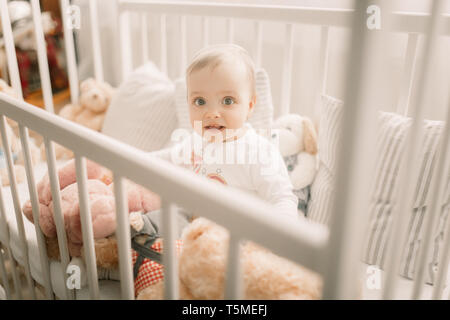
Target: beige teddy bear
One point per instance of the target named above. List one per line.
(203, 261)
(90, 112)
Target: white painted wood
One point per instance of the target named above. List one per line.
(58, 217)
(259, 42)
(126, 59)
(123, 239)
(402, 209)
(144, 37)
(230, 30)
(163, 56)
(287, 70)
(24, 139)
(70, 52)
(233, 278)
(13, 69)
(42, 56)
(411, 56)
(170, 261)
(86, 227)
(96, 44)
(323, 67)
(16, 202)
(183, 42)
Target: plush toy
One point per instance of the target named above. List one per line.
(102, 208)
(297, 141)
(202, 264)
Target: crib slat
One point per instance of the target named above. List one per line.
(402, 209)
(4, 275)
(13, 68)
(58, 217)
(86, 227)
(5, 231)
(170, 261)
(354, 166)
(16, 277)
(35, 206)
(16, 203)
(144, 37)
(205, 31)
(439, 183)
(321, 87)
(408, 73)
(230, 30)
(183, 31)
(125, 44)
(163, 58)
(287, 70)
(259, 41)
(70, 52)
(233, 284)
(123, 239)
(96, 44)
(42, 56)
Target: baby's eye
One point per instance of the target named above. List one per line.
(228, 101)
(200, 101)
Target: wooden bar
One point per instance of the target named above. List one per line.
(96, 44)
(183, 39)
(4, 275)
(125, 44)
(163, 57)
(144, 37)
(287, 70)
(86, 227)
(170, 261)
(233, 284)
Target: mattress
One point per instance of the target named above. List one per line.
(108, 290)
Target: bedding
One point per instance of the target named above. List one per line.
(390, 143)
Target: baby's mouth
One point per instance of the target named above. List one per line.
(218, 127)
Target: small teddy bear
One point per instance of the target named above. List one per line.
(202, 264)
(297, 140)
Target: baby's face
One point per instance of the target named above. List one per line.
(220, 100)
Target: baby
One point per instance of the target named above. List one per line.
(223, 145)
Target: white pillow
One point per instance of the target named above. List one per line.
(142, 111)
(390, 145)
(261, 117)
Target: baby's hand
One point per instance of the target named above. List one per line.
(136, 220)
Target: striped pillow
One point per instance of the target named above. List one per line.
(261, 117)
(390, 147)
(328, 144)
(142, 112)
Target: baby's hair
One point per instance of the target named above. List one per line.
(214, 55)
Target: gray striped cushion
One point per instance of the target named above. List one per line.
(142, 111)
(261, 117)
(328, 144)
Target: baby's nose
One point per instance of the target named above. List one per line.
(212, 114)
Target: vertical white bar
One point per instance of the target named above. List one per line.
(16, 203)
(321, 87)
(169, 227)
(125, 44)
(437, 191)
(123, 239)
(42, 56)
(4, 275)
(183, 32)
(230, 30)
(163, 57)
(86, 227)
(354, 166)
(402, 209)
(35, 206)
(287, 70)
(233, 284)
(13, 68)
(408, 73)
(5, 231)
(259, 42)
(66, 14)
(58, 217)
(144, 37)
(205, 31)
(96, 44)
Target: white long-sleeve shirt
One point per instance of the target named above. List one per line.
(251, 164)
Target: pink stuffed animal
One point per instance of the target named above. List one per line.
(101, 201)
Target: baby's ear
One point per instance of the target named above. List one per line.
(251, 105)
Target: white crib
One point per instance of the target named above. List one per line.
(333, 252)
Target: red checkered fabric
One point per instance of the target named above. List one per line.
(150, 272)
